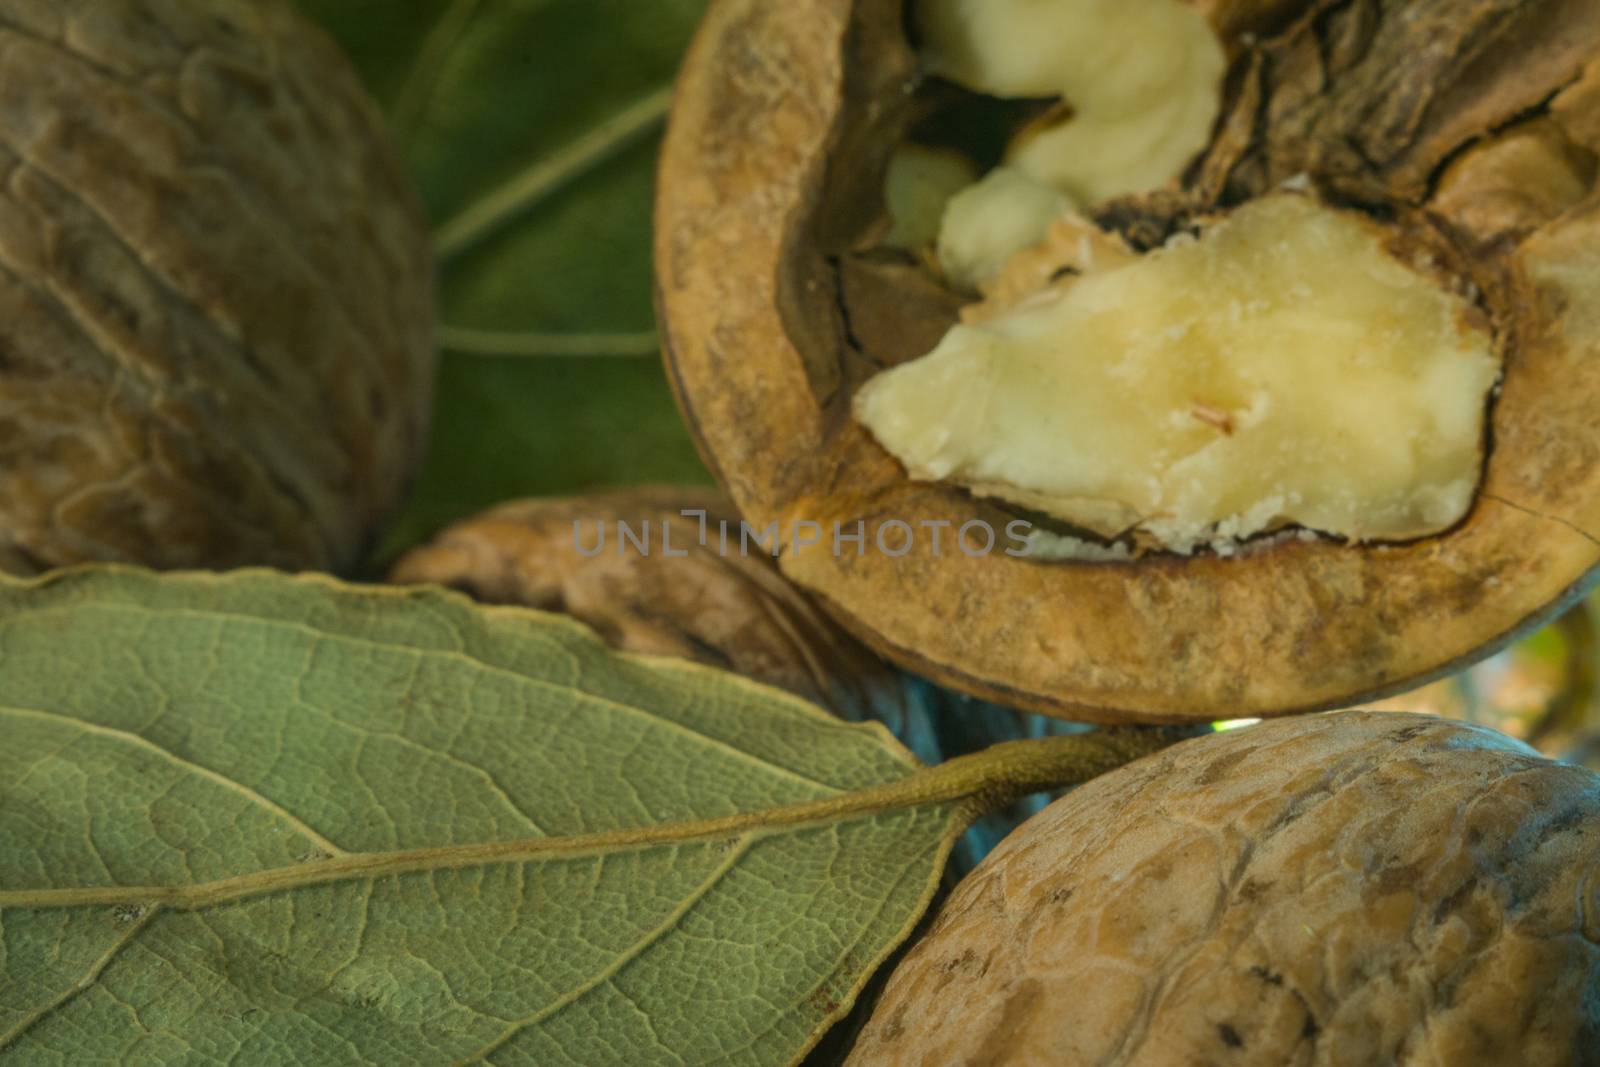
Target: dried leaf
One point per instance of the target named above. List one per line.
(258, 820)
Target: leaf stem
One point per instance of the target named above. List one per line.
(548, 175)
(975, 785)
(416, 93)
(511, 344)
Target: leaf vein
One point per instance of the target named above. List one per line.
(145, 744)
(867, 804)
(421, 80)
(90, 977)
(546, 176)
(477, 771)
(622, 959)
(714, 743)
(845, 1001)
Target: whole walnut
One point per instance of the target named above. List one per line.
(1356, 888)
(664, 593)
(216, 303)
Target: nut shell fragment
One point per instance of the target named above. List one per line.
(1344, 889)
(682, 597)
(215, 290)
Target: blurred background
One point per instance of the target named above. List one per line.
(531, 127)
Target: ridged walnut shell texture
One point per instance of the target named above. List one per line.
(216, 294)
(1349, 889)
(676, 597)
(1471, 126)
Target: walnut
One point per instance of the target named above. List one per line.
(1335, 889)
(1449, 145)
(215, 290)
(692, 586)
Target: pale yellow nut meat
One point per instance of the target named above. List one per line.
(916, 189)
(1142, 80)
(988, 223)
(1282, 368)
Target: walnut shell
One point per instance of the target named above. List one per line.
(1430, 114)
(216, 302)
(1354, 888)
(727, 609)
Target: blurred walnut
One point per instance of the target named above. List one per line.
(1354, 888)
(215, 290)
(725, 608)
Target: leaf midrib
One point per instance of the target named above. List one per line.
(361, 866)
(970, 784)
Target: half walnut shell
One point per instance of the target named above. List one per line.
(1481, 145)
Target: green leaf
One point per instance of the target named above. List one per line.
(532, 127)
(262, 820)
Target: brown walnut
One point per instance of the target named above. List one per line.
(216, 304)
(1467, 128)
(726, 608)
(1354, 888)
